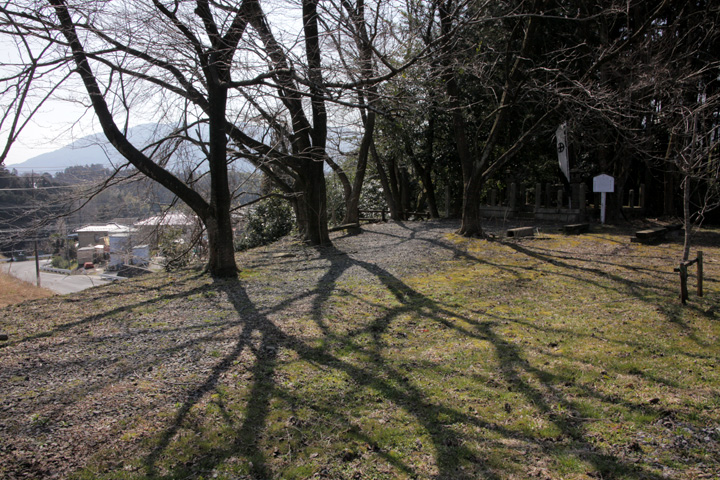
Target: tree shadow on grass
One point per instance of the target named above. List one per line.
(375, 381)
(339, 352)
(639, 290)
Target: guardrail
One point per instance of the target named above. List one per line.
(107, 276)
(64, 271)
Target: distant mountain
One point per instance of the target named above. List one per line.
(95, 149)
(92, 149)
(89, 150)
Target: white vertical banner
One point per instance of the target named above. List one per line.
(562, 149)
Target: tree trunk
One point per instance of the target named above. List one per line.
(221, 249)
(352, 213)
(220, 245)
(471, 224)
(687, 221)
(310, 206)
(392, 203)
(428, 185)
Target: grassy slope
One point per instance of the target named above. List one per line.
(14, 291)
(551, 358)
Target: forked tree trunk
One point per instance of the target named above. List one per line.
(352, 212)
(310, 206)
(393, 202)
(215, 214)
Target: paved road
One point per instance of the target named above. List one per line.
(59, 283)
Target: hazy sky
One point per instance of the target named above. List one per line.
(57, 124)
(52, 129)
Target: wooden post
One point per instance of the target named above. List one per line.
(631, 198)
(37, 263)
(700, 273)
(683, 283)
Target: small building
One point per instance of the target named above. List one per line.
(141, 255)
(90, 254)
(98, 234)
(120, 248)
(149, 230)
(85, 254)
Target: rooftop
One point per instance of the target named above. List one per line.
(105, 228)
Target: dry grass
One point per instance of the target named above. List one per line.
(14, 291)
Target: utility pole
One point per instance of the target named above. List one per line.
(37, 257)
(37, 263)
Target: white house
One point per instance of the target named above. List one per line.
(91, 235)
(148, 230)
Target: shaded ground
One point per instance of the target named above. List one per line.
(404, 352)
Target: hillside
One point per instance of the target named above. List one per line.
(403, 352)
(13, 291)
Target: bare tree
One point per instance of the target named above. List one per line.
(499, 70)
(215, 71)
(682, 52)
(368, 49)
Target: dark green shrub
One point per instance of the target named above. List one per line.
(60, 262)
(270, 220)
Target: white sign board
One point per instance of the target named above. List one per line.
(603, 183)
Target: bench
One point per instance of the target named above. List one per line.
(521, 232)
(382, 213)
(420, 215)
(575, 229)
(651, 235)
(350, 227)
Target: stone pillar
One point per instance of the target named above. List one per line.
(538, 196)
